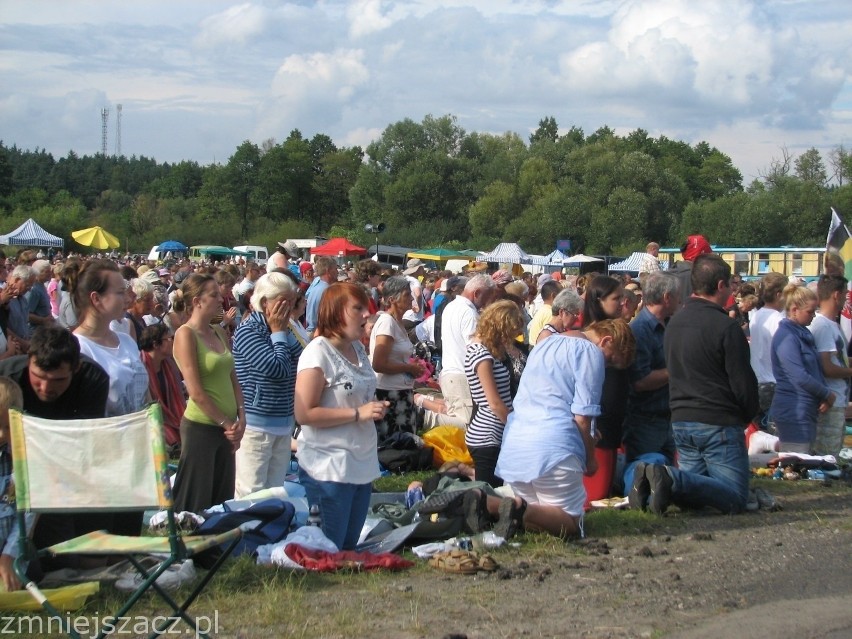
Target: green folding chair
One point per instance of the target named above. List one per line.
(109, 465)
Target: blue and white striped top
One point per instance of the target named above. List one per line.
(266, 369)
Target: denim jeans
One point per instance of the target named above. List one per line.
(713, 466)
(343, 508)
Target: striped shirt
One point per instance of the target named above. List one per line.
(485, 428)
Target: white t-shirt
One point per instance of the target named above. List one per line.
(458, 325)
(829, 339)
(128, 377)
(762, 328)
(425, 330)
(401, 351)
(345, 453)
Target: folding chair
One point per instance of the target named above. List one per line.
(109, 465)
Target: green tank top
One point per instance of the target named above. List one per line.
(215, 371)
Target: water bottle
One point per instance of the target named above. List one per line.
(314, 518)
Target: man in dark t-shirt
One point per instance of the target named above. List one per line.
(58, 383)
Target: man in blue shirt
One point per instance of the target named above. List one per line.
(647, 426)
(325, 271)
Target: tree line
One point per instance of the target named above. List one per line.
(434, 184)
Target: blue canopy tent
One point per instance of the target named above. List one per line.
(171, 245)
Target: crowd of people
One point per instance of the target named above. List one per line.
(550, 376)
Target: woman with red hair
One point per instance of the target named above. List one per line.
(337, 408)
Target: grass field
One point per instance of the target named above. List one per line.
(246, 600)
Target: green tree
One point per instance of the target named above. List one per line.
(241, 176)
(811, 168)
(548, 130)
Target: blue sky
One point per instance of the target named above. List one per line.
(195, 78)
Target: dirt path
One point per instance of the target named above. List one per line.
(762, 574)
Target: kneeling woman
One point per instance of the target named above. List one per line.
(337, 408)
(549, 440)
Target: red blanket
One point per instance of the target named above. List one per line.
(324, 561)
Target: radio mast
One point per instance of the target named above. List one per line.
(104, 121)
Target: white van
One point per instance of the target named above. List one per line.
(257, 254)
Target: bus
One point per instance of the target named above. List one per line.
(755, 262)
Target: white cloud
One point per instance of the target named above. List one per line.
(310, 88)
(236, 25)
(366, 18)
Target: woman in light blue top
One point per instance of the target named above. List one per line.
(548, 443)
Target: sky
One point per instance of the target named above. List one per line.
(196, 78)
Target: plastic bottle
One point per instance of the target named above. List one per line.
(314, 518)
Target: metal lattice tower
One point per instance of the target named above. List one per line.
(118, 130)
(104, 121)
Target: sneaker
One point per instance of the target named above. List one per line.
(661, 488)
(173, 578)
(637, 498)
(475, 507)
(448, 503)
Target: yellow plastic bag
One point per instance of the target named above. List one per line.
(448, 444)
(63, 598)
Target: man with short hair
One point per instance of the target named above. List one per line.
(18, 282)
(650, 262)
(647, 424)
(549, 290)
(243, 289)
(712, 396)
(38, 300)
(458, 325)
(832, 347)
(57, 381)
(325, 270)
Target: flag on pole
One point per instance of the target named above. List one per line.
(839, 243)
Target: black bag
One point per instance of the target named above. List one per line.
(403, 461)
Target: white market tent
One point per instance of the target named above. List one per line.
(512, 253)
(631, 264)
(556, 257)
(31, 234)
(579, 258)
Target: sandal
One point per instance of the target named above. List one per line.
(511, 518)
(461, 562)
(475, 507)
(487, 563)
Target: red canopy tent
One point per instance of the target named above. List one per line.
(337, 246)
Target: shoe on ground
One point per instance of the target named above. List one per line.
(637, 498)
(752, 503)
(661, 488)
(766, 501)
(173, 578)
